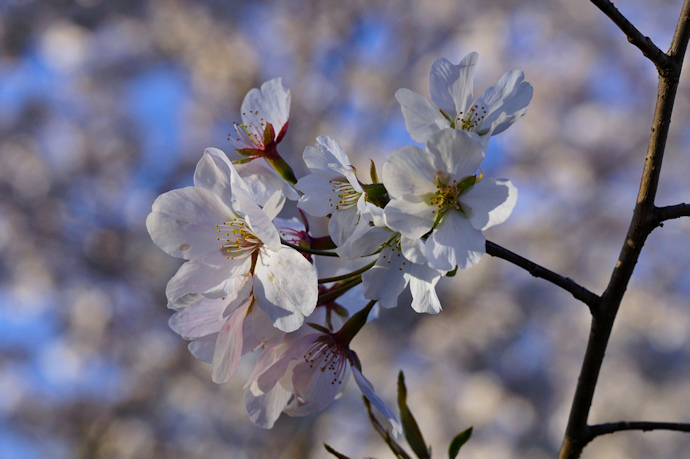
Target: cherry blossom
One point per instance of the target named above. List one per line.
(438, 192)
(451, 88)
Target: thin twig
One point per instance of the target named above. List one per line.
(644, 43)
(326, 280)
(310, 251)
(611, 427)
(566, 283)
(671, 212)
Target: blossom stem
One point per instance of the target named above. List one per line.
(326, 280)
(279, 165)
(340, 290)
(311, 251)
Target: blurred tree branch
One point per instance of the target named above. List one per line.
(603, 429)
(644, 220)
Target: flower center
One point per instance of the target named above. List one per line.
(447, 194)
(250, 131)
(236, 239)
(346, 195)
(331, 357)
(472, 120)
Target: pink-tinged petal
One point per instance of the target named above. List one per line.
(326, 158)
(409, 171)
(505, 102)
(226, 358)
(201, 318)
(285, 287)
(454, 242)
(315, 389)
(423, 280)
(318, 199)
(264, 408)
(342, 224)
(270, 376)
(421, 118)
(412, 219)
(271, 104)
(213, 172)
(212, 275)
(203, 348)
(259, 331)
(263, 181)
(385, 280)
(368, 391)
(365, 240)
(183, 222)
(459, 153)
(489, 202)
(451, 85)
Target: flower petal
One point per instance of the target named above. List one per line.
(268, 378)
(204, 317)
(365, 240)
(385, 281)
(421, 118)
(263, 181)
(213, 173)
(203, 348)
(342, 224)
(315, 389)
(326, 158)
(412, 219)
(451, 85)
(264, 408)
(454, 242)
(423, 280)
(409, 171)
(285, 287)
(272, 103)
(367, 389)
(505, 102)
(459, 153)
(489, 202)
(318, 199)
(183, 221)
(226, 357)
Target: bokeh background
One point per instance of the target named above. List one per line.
(106, 104)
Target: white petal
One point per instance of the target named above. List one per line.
(451, 85)
(385, 280)
(423, 280)
(489, 202)
(259, 331)
(272, 103)
(269, 377)
(454, 242)
(263, 181)
(506, 101)
(318, 199)
(204, 317)
(409, 171)
(274, 205)
(460, 153)
(183, 222)
(226, 358)
(342, 224)
(285, 287)
(413, 249)
(314, 388)
(326, 158)
(213, 276)
(421, 118)
(367, 389)
(259, 222)
(203, 348)
(365, 240)
(412, 219)
(264, 408)
(213, 172)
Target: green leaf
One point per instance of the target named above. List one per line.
(410, 427)
(452, 272)
(372, 173)
(334, 452)
(459, 440)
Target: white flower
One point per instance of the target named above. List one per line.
(332, 188)
(451, 89)
(263, 181)
(226, 237)
(319, 376)
(400, 263)
(437, 190)
(265, 116)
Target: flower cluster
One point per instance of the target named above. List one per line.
(244, 288)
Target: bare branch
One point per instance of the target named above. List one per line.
(603, 429)
(566, 283)
(644, 43)
(671, 212)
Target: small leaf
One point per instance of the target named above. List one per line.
(394, 447)
(372, 173)
(334, 452)
(412, 432)
(459, 440)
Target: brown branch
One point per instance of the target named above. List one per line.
(604, 429)
(566, 283)
(577, 433)
(644, 43)
(671, 212)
